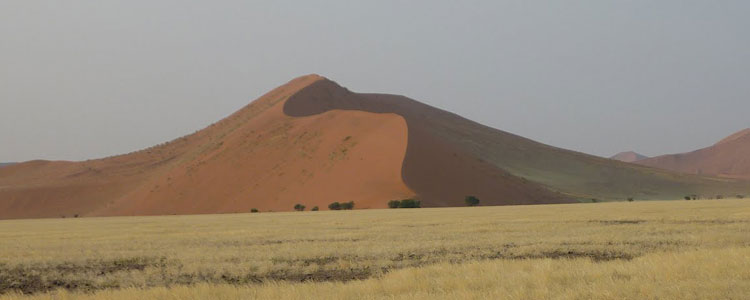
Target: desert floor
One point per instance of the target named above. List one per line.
(638, 250)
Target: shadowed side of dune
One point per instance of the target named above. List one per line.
(436, 166)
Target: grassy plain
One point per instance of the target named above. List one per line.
(676, 249)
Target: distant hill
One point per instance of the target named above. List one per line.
(314, 142)
(628, 157)
(729, 157)
(5, 164)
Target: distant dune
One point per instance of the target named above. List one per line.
(729, 157)
(314, 142)
(629, 156)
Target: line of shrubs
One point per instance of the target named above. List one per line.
(333, 206)
(469, 201)
(413, 203)
(406, 203)
(341, 206)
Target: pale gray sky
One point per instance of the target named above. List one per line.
(87, 79)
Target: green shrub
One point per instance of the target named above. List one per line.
(471, 201)
(409, 203)
(394, 203)
(254, 210)
(315, 208)
(347, 205)
(630, 199)
(687, 198)
(299, 207)
(334, 206)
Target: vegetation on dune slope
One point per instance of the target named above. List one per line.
(264, 254)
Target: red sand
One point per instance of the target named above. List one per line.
(729, 157)
(314, 142)
(256, 158)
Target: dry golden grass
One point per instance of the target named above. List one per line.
(678, 249)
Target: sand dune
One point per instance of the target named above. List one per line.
(629, 156)
(255, 158)
(313, 142)
(729, 157)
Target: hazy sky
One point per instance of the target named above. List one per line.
(87, 79)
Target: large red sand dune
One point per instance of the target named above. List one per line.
(256, 158)
(729, 157)
(314, 142)
(270, 155)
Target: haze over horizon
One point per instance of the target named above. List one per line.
(88, 79)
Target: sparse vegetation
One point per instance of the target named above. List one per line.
(630, 199)
(406, 203)
(410, 203)
(593, 251)
(334, 206)
(719, 197)
(740, 196)
(315, 208)
(687, 198)
(471, 201)
(347, 205)
(299, 207)
(394, 203)
(254, 210)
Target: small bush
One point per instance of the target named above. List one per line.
(630, 199)
(299, 207)
(334, 206)
(254, 210)
(347, 205)
(471, 201)
(740, 196)
(594, 200)
(719, 197)
(409, 203)
(75, 216)
(315, 208)
(687, 198)
(394, 204)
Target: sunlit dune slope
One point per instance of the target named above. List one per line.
(255, 158)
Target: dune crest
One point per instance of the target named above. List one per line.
(256, 158)
(313, 142)
(729, 158)
(629, 156)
